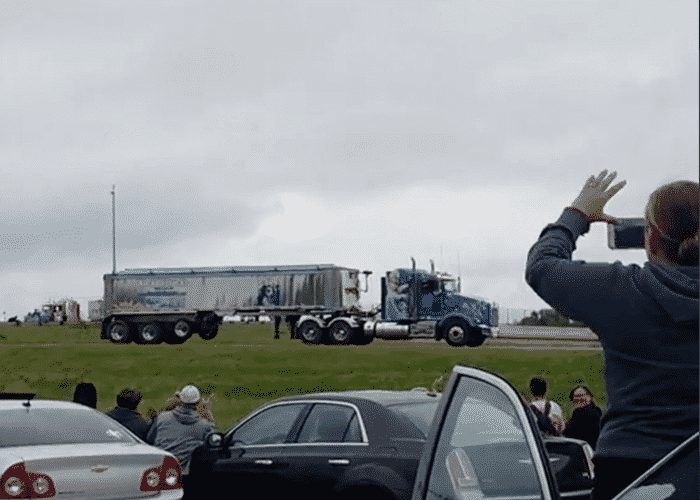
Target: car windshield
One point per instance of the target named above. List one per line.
(44, 426)
(420, 414)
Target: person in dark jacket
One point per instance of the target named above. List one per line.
(585, 419)
(125, 412)
(86, 394)
(646, 319)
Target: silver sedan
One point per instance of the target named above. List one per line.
(57, 449)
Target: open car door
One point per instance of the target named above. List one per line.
(484, 443)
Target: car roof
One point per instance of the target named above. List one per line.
(382, 397)
(11, 404)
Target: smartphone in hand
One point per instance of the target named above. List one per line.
(626, 233)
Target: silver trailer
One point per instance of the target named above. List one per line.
(170, 304)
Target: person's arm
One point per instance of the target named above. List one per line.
(152, 432)
(574, 288)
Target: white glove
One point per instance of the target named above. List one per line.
(595, 194)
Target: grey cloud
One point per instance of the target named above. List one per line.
(204, 114)
(79, 229)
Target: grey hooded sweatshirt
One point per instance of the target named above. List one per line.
(647, 321)
(180, 431)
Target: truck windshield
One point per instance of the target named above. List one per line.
(449, 286)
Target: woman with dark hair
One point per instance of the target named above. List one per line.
(645, 317)
(85, 394)
(585, 419)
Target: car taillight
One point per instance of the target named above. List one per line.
(17, 482)
(166, 477)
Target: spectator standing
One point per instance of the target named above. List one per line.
(550, 409)
(181, 429)
(86, 394)
(125, 412)
(645, 317)
(585, 419)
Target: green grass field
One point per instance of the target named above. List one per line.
(244, 366)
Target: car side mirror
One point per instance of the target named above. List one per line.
(571, 462)
(215, 440)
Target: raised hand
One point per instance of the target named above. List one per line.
(596, 192)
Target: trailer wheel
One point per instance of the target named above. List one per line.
(150, 333)
(340, 333)
(310, 332)
(119, 332)
(182, 330)
(209, 326)
(209, 333)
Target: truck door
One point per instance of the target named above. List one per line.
(483, 444)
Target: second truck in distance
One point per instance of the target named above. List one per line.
(320, 303)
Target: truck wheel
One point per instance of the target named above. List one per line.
(119, 332)
(150, 333)
(475, 338)
(209, 333)
(182, 330)
(362, 339)
(310, 332)
(456, 332)
(209, 327)
(340, 333)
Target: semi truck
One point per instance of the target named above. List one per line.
(320, 303)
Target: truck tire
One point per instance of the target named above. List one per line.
(149, 333)
(209, 327)
(455, 331)
(119, 332)
(340, 333)
(181, 331)
(209, 333)
(475, 338)
(310, 332)
(359, 337)
(458, 333)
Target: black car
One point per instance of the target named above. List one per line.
(356, 444)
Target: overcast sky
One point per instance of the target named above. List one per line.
(358, 133)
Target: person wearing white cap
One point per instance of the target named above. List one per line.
(182, 429)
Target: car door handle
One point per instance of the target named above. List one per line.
(339, 461)
(263, 461)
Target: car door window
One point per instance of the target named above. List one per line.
(330, 423)
(482, 451)
(270, 426)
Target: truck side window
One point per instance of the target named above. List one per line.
(482, 450)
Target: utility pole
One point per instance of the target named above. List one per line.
(114, 231)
